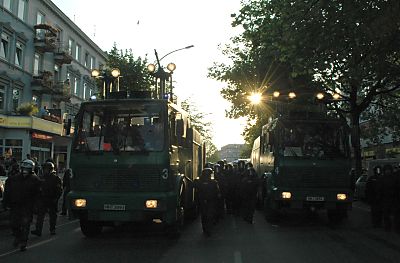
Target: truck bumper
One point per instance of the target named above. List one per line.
(313, 198)
(123, 207)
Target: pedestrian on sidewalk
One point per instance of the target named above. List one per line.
(20, 195)
(48, 202)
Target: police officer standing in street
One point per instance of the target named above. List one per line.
(66, 182)
(48, 202)
(207, 194)
(387, 193)
(21, 192)
(248, 190)
(371, 192)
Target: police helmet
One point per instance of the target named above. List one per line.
(48, 166)
(27, 164)
(207, 172)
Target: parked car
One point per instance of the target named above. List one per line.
(359, 191)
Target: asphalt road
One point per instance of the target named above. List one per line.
(297, 238)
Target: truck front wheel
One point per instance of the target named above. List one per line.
(90, 228)
(336, 216)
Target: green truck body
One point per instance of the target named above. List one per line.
(304, 162)
(133, 160)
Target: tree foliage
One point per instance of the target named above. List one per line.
(350, 47)
(133, 70)
(199, 122)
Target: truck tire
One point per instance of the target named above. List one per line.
(174, 230)
(90, 228)
(336, 216)
(271, 214)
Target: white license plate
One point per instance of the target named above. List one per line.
(315, 198)
(114, 207)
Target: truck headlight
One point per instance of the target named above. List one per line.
(81, 203)
(286, 195)
(151, 204)
(341, 197)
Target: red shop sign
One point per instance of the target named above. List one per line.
(41, 136)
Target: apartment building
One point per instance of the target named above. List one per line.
(45, 62)
(231, 152)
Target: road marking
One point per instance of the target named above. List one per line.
(39, 243)
(237, 256)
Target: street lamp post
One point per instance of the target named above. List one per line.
(108, 77)
(160, 74)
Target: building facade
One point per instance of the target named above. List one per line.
(45, 68)
(231, 152)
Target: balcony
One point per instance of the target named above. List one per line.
(62, 55)
(43, 83)
(62, 91)
(45, 38)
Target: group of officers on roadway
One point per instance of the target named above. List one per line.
(221, 188)
(27, 194)
(383, 195)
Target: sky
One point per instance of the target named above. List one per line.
(145, 26)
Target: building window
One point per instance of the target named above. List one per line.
(77, 52)
(86, 59)
(40, 33)
(21, 9)
(15, 99)
(70, 42)
(13, 148)
(90, 93)
(19, 51)
(91, 62)
(37, 64)
(7, 4)
(5, 44)
(2, 97)
(84, 90)
(76, 86)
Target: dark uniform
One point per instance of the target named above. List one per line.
(387, 194)
(371, 192)
(230, 188)
(21, 192)
(248, 190)
(51, 189)
(66, 182)
(219, 176)
(207, 194)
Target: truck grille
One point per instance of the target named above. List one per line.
(313, 177)
(137, 179)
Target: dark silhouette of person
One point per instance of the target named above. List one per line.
(373, 198)
(207, 194)
(21, 192)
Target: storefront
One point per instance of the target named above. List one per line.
(22, 135)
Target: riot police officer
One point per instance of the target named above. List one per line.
(371, 192)
(219, 176)
(207, 194)
(51, 191)
(387, 193)
(20, 194)
(248, 189)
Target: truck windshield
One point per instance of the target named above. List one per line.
(316, 140)
(135, 128)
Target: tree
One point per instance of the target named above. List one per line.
(133, 70)
(197, 120)
(350, 47)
